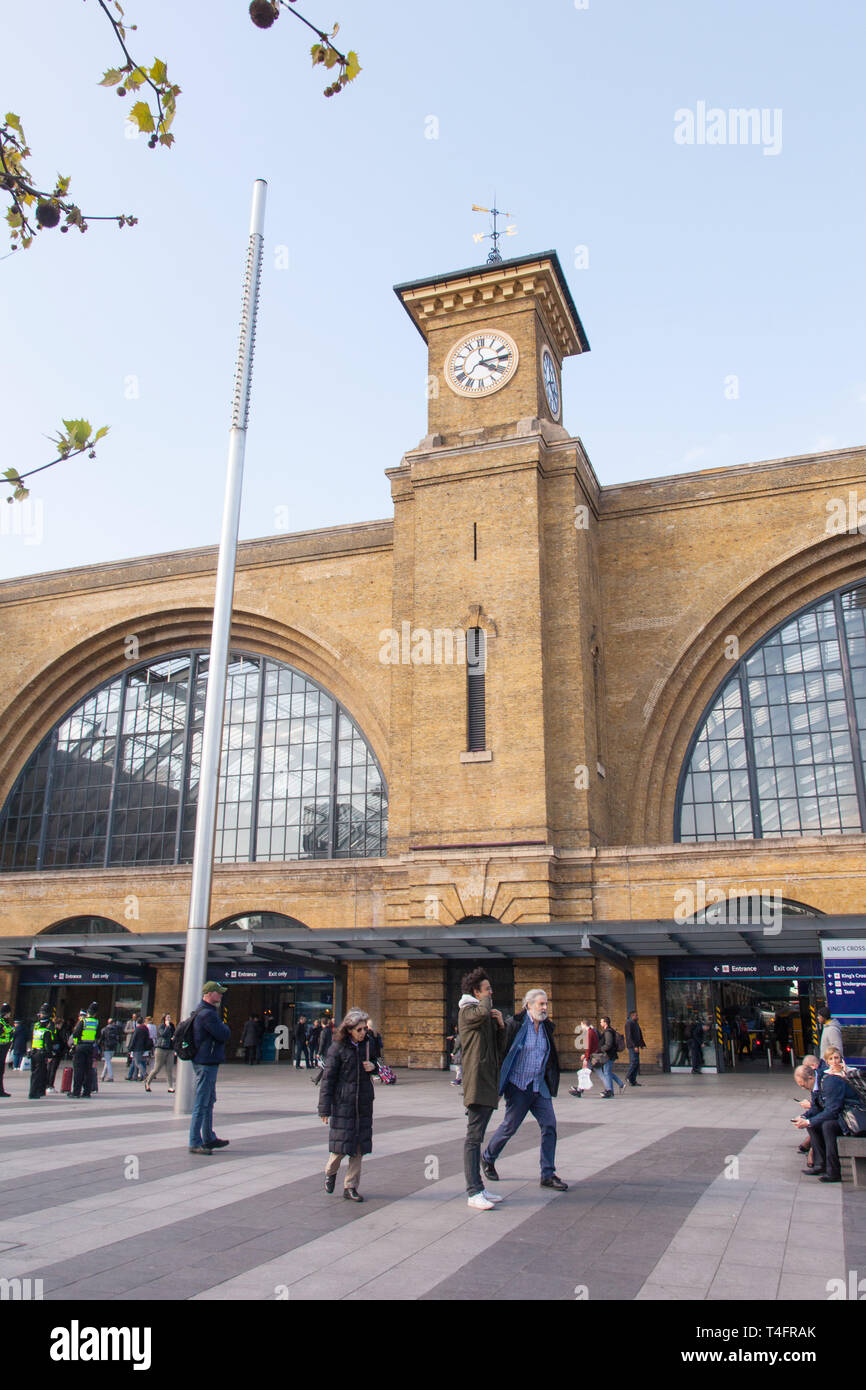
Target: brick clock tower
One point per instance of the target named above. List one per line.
(495, 533)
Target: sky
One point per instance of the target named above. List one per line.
(720, 281)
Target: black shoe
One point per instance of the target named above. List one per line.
(352, 1194)
(634, 1083)
(217, 1143)
(5, 1095)
(606, 1095)
(330, 1182)
(826, 1178)
(574, 1091)
(202, 1150)
(556, 1183)
(814, 1172)
(488, 1170)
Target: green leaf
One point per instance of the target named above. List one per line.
(12, 474)
(111, 78)
(315, 51)
(13, 218)
(12, 119)
(167, 140)
(142, 115)
(101, 432)
(353, 67)
(331, 57)
(158, 72)
(62, 187)
(135, 79)
(78, 432)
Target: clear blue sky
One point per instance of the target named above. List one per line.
(705, 261)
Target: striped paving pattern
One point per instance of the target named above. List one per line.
(686, 1188)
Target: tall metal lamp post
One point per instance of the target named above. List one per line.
(195, 960)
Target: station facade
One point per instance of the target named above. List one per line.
(609, 741)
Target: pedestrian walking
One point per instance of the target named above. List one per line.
(607, 1048)
(109, 1040)
(315, 1039)
(250, 1040)
(586, 1042)
(327, 1038)
(163, 1054)
(634, 1041)
(209, 1036)
(84, 1036)
(346, 1102)
(6, 1033)
(40, 1043)
(452, 1042)
(528, 1080)
(831, 1032)
(301, 1048)
(129, 1028)
(482, 1040)
(139, 1050)
(696, 1044)
(20, 1038)
(57, 1049)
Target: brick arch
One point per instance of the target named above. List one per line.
(67, 680)
(804, 577)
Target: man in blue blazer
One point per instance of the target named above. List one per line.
(528, 1079)
(825, 1124)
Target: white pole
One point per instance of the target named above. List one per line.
(195, 961)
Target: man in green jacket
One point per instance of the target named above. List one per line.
(482, 1039)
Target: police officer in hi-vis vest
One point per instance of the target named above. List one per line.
(84, 1035)
(6, 1031)
(40, 1048)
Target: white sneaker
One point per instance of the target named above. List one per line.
(49, 1090)
(491, 1196)
(480, 1203)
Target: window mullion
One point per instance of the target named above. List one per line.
(751, 768)
(851, 710)
(112, 799)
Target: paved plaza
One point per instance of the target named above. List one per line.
(688, 1188)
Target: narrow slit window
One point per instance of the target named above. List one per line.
(476, 667)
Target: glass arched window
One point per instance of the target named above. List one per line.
(116, 782)
(782, 748)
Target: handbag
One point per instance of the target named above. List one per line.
(854, 1117)
(386, 1075)
(317, 1075)
(598, 1059)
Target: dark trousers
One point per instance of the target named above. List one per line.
(696, 1054)
(52, 1067)
(250, 1055)
(479, 1119)
(4, 1048)
(82, 1069)
(519, 1104)
(38, 1074)
(633, 1065)
(301, 1050)
(825, 1139)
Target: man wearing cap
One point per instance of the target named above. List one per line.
(84, 1036)
(209, 1036)
(6, 1031)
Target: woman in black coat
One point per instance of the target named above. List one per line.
(346, 1102)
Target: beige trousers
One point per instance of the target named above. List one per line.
(353, 1172)
(163, 1057)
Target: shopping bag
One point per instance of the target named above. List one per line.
(386, 1075)
(584, 1079)
(25, 1064)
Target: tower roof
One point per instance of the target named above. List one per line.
(539, 276)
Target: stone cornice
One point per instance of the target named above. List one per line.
(329, 543)
(434, 303)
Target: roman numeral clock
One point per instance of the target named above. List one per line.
(481, 363)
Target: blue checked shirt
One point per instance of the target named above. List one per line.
(528, 1070)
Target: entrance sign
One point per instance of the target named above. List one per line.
(264, 975)
(46, 975)
(744, 968)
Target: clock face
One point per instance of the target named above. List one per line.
(481, 363)
(551, 382)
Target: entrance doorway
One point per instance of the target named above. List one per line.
(765, 1023)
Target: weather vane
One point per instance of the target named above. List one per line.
(495, 254)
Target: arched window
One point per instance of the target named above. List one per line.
(116, 781)
(781, 749)
(84, 926)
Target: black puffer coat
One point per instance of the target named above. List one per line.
(346, 1096)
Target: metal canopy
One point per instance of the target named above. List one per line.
(617, 942)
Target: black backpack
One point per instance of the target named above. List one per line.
(183, 1042)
